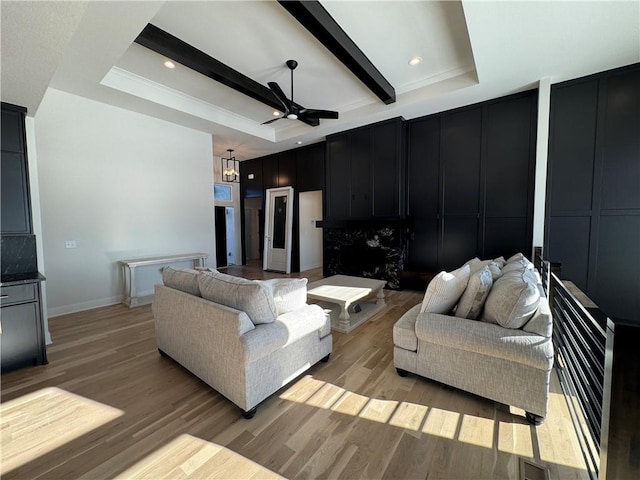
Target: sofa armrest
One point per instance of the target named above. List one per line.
(542, 322)
(485, 338)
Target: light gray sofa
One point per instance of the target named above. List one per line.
(246, 339)
(508, 365)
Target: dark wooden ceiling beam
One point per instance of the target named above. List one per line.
(172, 47)
(312, 16)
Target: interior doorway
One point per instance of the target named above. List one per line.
(225, 236)
(278, 229)
(253, 224)
(310, 206)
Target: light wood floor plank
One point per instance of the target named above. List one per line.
(350, 418)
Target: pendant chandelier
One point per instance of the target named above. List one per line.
(230, 168)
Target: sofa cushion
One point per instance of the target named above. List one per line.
(245, 295)
(444, 291)
(404, 330)
(472, 300)
(513, 300)
(289, 294)
(183, 279)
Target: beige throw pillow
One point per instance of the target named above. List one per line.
(183, 279)
(474, 296)
(444, 291)
(245, 295)
(513, 300)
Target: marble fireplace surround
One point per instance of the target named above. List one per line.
(366, 250)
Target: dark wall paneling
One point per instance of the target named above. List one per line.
(310, 167)
(338, 203)
(572, 145)
(570, 241)
(460, 157)
(594, 182)
(471, 175)
(506, 236)
(617, 281)
(360, 173)
(251, 187)
(12, 130)
(270, 171)
(387, 201)
(287, 169)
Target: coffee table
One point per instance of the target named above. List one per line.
(342, 291)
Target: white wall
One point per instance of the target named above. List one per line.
(542, 148)
(121, 185)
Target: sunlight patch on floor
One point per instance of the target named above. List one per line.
(38, 423)
(189, 457)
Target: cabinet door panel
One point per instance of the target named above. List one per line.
(571, 145)
(459, 241)
(460, 155)
(360, 172)
(568, 243)
(617, 283)
(621, 149)
(424, 168)
(508, 146)
(12, 131)
(338, 197)
(387, 169)
(506, 237)
(423, 246)
(19, 340)
(15, 214)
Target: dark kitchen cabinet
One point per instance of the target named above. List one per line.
(22, 333)
(15, 215)
(366, 172)
(471, 183)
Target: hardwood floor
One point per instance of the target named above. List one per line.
(109, 406)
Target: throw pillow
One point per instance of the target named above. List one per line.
(183, 279)
(289, 294)
(500, 261)
(444, 291)
(512, 301)
(245, 295)
(474, 296)
(494, 268)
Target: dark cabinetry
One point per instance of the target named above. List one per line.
(366, 172)
(593, 187)
(15, 216)
(22, 336)
(471, 182)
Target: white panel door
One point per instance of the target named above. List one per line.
(278, 228)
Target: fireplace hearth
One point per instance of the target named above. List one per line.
(365, 251)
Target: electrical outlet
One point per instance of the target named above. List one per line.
(70, 244)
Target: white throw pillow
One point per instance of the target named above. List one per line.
(444, 291)
(289, 294)
(474, 296)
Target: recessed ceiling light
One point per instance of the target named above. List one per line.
(298, 142)
(169, 64)
(276, 113)
(415, 60)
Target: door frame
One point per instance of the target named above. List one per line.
(269, 195)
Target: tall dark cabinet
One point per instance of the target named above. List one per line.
(593, 187)
(470, 177)
(366, 173)
(22, 340)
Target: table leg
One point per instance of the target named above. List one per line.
(343, 319)
(133, 294)
(380, 297)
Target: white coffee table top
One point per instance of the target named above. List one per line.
(343, 288)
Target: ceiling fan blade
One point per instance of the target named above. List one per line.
(271, 121)
(313, 113)
(279, 94)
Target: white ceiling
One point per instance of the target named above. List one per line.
(471, 50)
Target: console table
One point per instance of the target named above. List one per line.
(130, 297)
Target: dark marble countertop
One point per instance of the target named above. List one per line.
(21, 278)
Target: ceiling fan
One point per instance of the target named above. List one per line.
(294, 111)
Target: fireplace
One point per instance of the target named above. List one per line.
(370, 251)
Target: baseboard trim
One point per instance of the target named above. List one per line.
(82, 306)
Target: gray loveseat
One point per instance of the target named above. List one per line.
(505, 353)
(246, 339)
